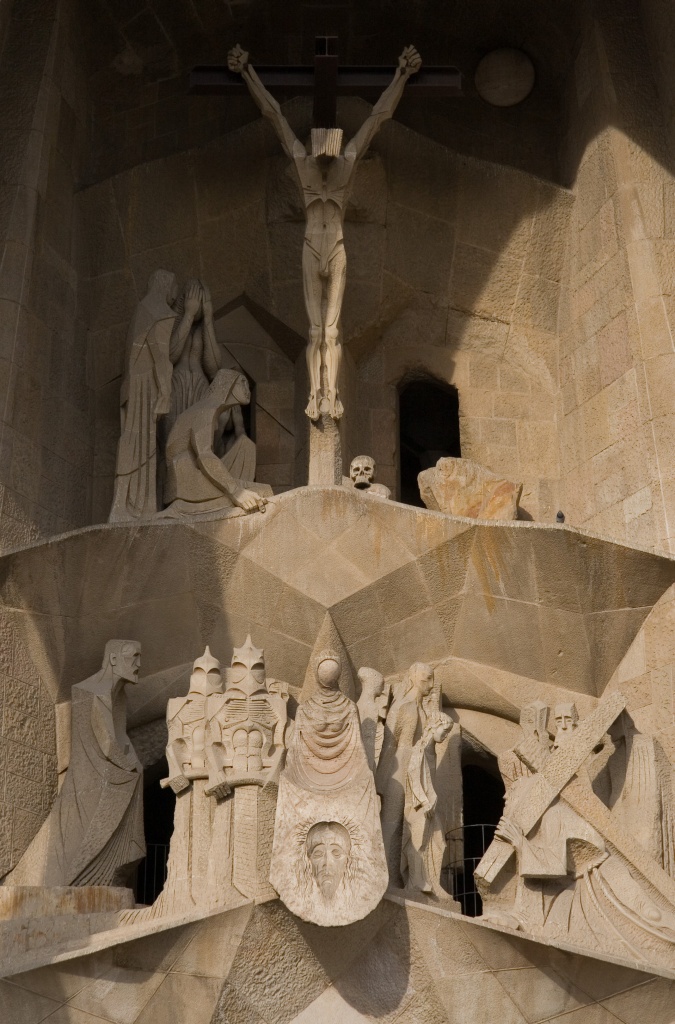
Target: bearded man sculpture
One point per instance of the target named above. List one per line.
(94, 832)
(325, 177)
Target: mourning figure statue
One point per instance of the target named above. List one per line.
(194, 351)
(404, 727)
(198, 480)
(423, 845)
(144, 398)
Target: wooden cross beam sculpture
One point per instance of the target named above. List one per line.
(325, 174)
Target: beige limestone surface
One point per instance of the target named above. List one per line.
(405, 962)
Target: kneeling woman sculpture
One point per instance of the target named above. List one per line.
(328, 862)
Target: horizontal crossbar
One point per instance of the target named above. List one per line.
(299, 80)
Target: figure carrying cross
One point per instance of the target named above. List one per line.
(326, 176)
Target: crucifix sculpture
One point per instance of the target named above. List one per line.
(326, 176)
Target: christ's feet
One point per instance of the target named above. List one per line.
(312, 409)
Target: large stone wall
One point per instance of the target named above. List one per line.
(137, 56)
(469, 277)
(45, 406)
(617, 358)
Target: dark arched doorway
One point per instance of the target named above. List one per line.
(158, 808)
(428, 416)
(483, 800)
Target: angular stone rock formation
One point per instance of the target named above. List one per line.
(460, 487)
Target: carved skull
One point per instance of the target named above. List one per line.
(328, 847)
(362, 472)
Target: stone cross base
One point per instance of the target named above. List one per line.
(325, 452)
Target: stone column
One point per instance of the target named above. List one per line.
(325, 448)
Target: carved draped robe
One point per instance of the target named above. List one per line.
(94, 833)
(326, 753)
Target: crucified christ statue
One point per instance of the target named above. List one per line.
(326, 176)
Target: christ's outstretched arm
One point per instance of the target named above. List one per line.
(237, 60)
(409, 64)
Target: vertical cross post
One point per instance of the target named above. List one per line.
(325, 82)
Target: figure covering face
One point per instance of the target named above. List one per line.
(328, 863)
(145, 396)
(403, 729)
(194, 350)
(325, 177)
(94, 832)
(198, 481)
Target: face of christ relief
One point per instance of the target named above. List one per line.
(328, 847)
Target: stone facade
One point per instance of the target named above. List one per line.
(401, 680)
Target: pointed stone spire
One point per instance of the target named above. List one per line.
(329, 639)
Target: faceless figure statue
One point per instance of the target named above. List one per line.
(535, 739)
(326, 176)
(328, 847)
(362, 477)
(566, 719)
(372, 705)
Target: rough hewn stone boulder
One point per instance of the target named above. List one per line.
(460, 487)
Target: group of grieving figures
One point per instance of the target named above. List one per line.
(270, 805)
(183, 444)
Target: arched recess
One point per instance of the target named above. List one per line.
(482, 807)
(428, 423)
(158, 811)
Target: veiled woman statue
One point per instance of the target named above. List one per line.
(198, 480)
(328, 863)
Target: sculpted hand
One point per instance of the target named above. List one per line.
(193, 299)
(237, 59)
(249, 500)
(509, 832)
(430, 808)
(410, 61)
(207, 305)
(218, 786)
(163, 403)
(177, 783)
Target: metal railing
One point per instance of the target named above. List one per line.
(475, 839)
(151, 873)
